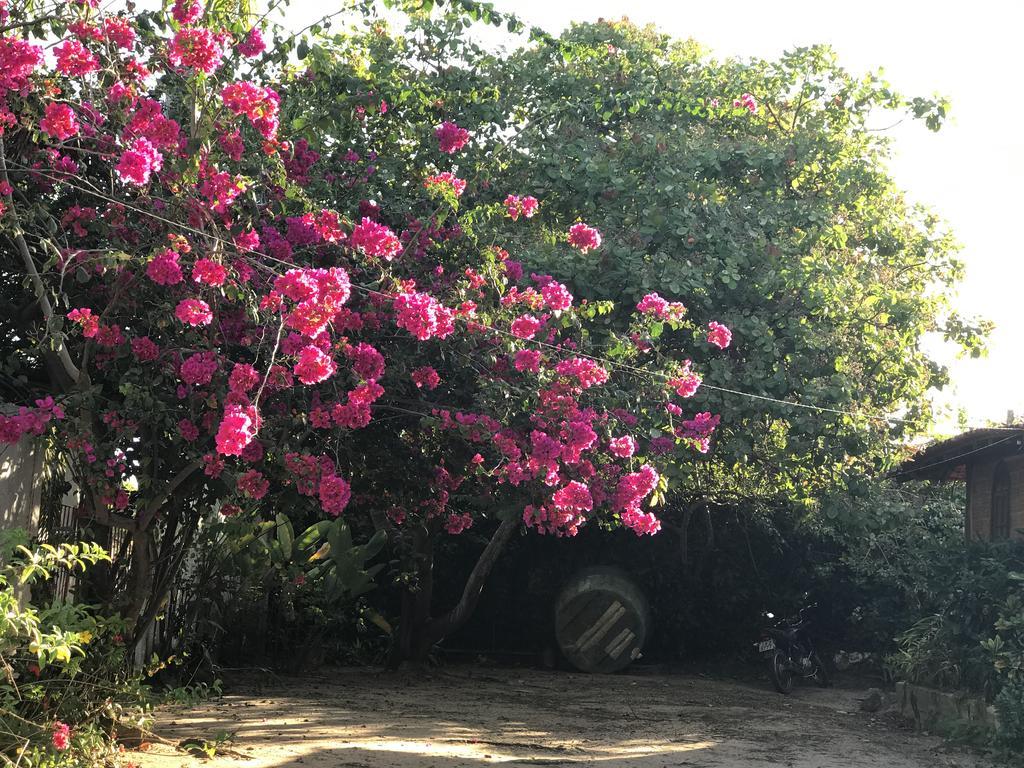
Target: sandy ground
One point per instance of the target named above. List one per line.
(471, 716)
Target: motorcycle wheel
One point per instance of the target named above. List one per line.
(821, 678)
(780, 672)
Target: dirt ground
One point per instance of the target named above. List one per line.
(471, 716)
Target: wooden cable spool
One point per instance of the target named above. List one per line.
(601, 620)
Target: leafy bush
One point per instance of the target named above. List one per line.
(64, 689)
(1006, 650)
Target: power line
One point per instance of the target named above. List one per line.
(915, 470)
(536, 342)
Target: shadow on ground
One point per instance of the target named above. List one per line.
(472, 716)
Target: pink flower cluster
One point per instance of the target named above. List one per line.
(138, 162)
(584, 238)
(198, 369)
(623, 447)
(446, 180)
(367, 362)
(260, 105)
(423, 316)
(586, 372)
(747, 101)
(687, 382)
(29, 421)
(698, 430)
(335, 493)
(653, 304)
(253, 484)
(314, 365)
(18, 60)
(253, 44)
(59, 121)
(320, 294)
(209, 272)
(574, 497)
(526, 326)
(556, 296)
(193, 312)
(521, 206)
(237, 429)
(164, 269)
(719, 335)
(74, 60)
(187, 11)
(451, 138)
(426, 378)
(375, 239)
(527, 361)
(84, 317)
(61, 737)
(195, 48)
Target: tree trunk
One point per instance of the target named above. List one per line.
(424, 632)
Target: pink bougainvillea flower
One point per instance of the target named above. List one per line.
(687, 382)
(193, 312)
(574, 497)
(260, 105)
(652, 304)
(527, 360)
(556, 296)
(623, 447)
(375, 239)
(367, 362)
(164, 269)
(74, 59)
(747, 101)
(423, 316)
(138, 162)
(196, 48)
(243, 378)
(18, 60)
(426, 378)
(587, 372)
(335, 493)
(59, 121)
(237, 429)
(61, 736)
(209, 272)
(314, 365)
(198, 369)
(253, 44)
(446, 180)
(119, 31)
(187, 11)
(584, 238)
(526, 326)
(719, 335)
(517, 206)
(253, 484)
(84, 317)
(450, 137)
(144, 349)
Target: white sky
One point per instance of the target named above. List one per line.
(971, 172)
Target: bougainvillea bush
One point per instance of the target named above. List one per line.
(206, 333)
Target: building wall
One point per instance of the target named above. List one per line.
(1016, 466)
(979, 497)
(979, 500)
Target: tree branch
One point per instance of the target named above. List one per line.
(37, 282)
(149, 512)
(457, 616)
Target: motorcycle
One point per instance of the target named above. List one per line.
(790, 652)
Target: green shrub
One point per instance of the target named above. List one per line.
(65, 690)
